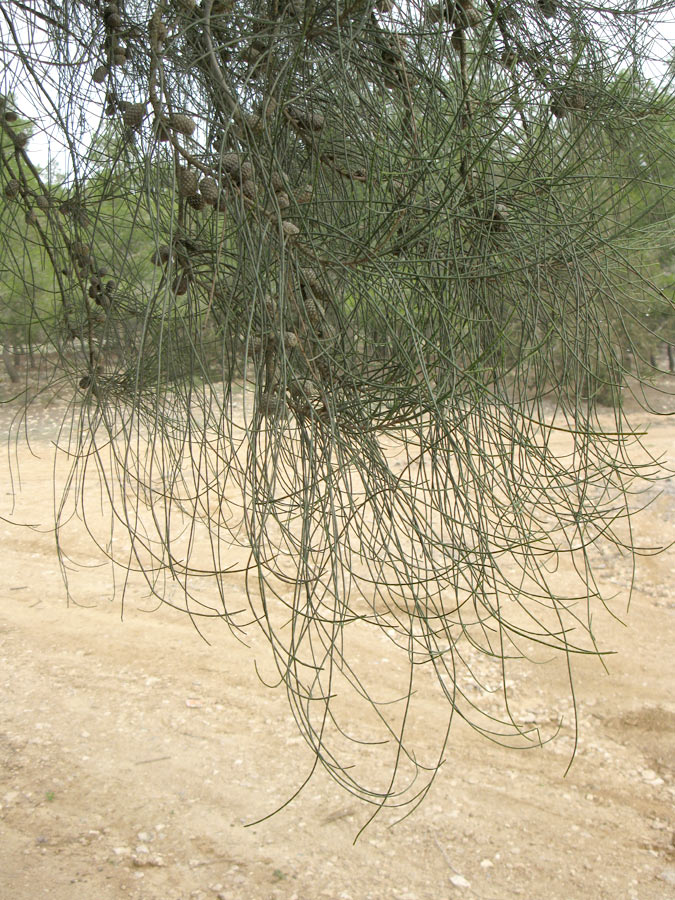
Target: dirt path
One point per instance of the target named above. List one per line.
(133, 755)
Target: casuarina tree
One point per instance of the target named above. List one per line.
(344, 292)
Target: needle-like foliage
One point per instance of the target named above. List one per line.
(339, 287)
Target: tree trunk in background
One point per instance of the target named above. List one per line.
(671, 358)
(9, 364)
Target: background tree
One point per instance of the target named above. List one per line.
(25, 282)
(396, 235)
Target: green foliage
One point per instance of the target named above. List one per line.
(364, 264)
(26, 295)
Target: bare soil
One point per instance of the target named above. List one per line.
(134, 755)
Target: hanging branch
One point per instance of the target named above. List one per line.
(352, 283)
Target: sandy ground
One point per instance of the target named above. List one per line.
(133, 755)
